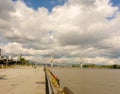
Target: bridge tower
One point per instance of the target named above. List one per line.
(51, 60)
(81, 62)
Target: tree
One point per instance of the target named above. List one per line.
(115, 66)
(24, 61)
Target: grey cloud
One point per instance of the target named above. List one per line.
(115, 53)
(111, 50)
(6, 6)
(83, 39)
(20, 39)
(83, 2)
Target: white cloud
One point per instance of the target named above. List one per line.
(79, 27)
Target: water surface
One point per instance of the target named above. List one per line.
(89, 81)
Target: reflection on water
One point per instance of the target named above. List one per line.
(89, 81)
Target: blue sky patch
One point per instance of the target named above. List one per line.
(49, 4)
(116, 2)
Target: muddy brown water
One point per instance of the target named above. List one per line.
(89, 81)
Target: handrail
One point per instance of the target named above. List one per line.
(53, 85)
(49, 89)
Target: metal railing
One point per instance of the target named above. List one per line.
(53, 84)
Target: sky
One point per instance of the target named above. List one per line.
(66, 29)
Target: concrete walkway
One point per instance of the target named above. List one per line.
(22, 81)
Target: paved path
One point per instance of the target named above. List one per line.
(22, 81)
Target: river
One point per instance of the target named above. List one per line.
(89, 81)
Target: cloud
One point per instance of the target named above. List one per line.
(77, 28)
(6, 6)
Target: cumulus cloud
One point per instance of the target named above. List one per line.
(77, 28)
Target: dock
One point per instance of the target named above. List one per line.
(22, 81)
